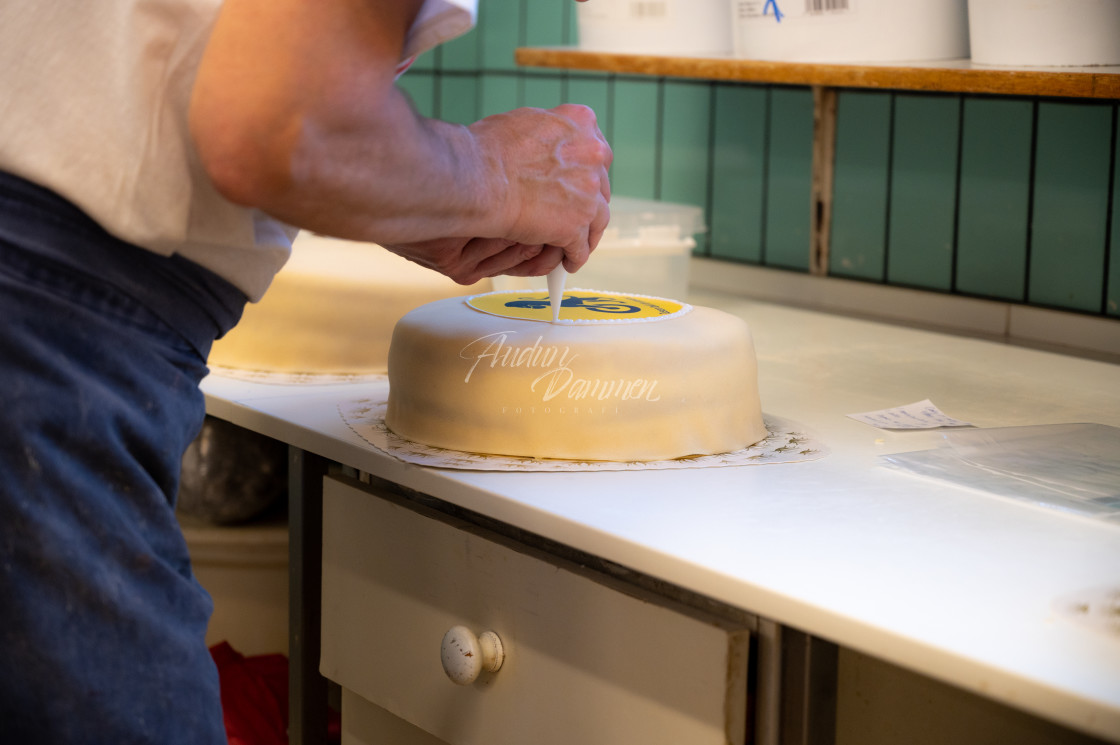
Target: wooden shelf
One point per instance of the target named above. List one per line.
(950, 76)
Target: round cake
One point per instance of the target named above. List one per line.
(331, 310)
(619, 378)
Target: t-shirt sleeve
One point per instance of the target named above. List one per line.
(438, 21)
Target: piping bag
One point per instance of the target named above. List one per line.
(556, 279)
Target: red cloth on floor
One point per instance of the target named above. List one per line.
(254, 696)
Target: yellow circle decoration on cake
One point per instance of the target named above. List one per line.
(578, 306)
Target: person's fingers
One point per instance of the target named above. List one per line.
(478, 251)
(468, 261)
(506, 260)
(598, 226)
(557, 174)
(576, 253)
(484, 257)
(489, 257)
(579, 252)
(537, 266)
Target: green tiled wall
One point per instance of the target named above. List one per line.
(787, 193)
(994, 198)
(861, 185)
(923, 191)
(685, 133)
(1007, 198)
(1112, 290)
(634, 135)
(738, 169)
(1071, 205)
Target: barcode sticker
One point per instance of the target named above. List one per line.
(826, 6)
(649, 9)
(634, 11)
(780, 10)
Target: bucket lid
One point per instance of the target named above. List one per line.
(649, 219)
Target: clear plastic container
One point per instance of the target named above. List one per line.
(645, 251)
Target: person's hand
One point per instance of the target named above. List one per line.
(469, 260)
(550, 175)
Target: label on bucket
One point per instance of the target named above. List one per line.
(645, 11)
(780, 10)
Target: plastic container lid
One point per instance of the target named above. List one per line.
(648, 220)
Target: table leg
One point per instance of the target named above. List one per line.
(809, 680)
(795, 687)
(307, 689)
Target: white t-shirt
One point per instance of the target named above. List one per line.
(97, 112)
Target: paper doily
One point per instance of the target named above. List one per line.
(788, 442)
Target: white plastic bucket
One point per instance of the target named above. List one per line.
(669, 27)
(850, 30)
(245, 570)
(1045, 32)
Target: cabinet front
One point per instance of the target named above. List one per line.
(540, 651)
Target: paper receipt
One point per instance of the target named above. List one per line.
(919, 415)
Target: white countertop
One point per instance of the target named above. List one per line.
(953, 583)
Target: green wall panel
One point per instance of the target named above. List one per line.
(458, 98)
(594, 92)
(499, 92)
(789, 179)
(543, 91)
(739, 116)
(923, 193)
(685, 132)
(462, 54)
(546, 23)
(993, 199)
(860, 185)
(499, 22)
(634, 133)
(1071, 204)
(421, 88)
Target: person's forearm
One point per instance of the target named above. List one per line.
(330, 144)
(295, 112)
(392, 177)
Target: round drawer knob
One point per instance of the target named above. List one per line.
(465, 655)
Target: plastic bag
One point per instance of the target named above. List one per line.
(1071, 467)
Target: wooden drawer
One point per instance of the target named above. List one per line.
(588, 660)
